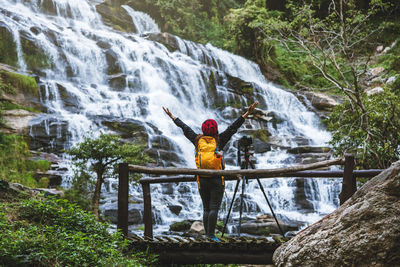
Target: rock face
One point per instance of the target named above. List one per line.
(364, 231)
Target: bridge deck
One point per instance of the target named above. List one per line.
(189, 250)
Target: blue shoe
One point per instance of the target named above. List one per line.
(214, 238)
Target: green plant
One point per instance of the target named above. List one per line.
(101, 156)
(54, 232)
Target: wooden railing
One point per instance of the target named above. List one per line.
(187, 175)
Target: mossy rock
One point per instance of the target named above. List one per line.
(8, 48)
(19, 82)
(180, 226)
(34, 56)
(116, 17)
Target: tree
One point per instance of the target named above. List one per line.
(101, 156)
(339, 43)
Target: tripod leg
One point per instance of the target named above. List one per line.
(270, 207)
(241, 205)
(230, 207)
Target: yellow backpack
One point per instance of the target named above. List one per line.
(207, 155)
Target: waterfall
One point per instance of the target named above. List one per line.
(99, 76)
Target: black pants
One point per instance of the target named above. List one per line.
(211, 192)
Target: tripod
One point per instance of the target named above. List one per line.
(245, 165)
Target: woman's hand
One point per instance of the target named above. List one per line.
(169, 113)
(250, 110)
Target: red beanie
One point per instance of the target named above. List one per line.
(210, 127)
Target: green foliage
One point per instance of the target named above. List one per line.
(100, 155)
(381, 148)
(15, 81)
(14, 163)
(8, 48)
(195, 20)
(54, 232)
(34, 56)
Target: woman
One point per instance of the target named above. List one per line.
(211, 188)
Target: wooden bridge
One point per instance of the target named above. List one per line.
(249, 250)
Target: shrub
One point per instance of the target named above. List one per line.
(54, 232)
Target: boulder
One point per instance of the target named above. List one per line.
(320, 101)
(116, 17)
(376, 71)
(364, 231)
(168, 40)
(135, 213)
(180, 226)
(175, 209)
(18, 120)
(48, 134)
(197, 228)
(374, 91)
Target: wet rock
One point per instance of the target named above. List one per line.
(309, 149)
(175, 209)
(35, 30)
(167, 188)
(162, 142)
(116, 17)
(184, 189)
(113, 63)
(239, 86)
(71, 101)
(180, 226)
(260, 146)
(303, 189)
(262, 228)
(364, 231)
(128, 128)
(135, 213)
(103, 44)
(49, 134)
(168, 40)
(117, 81)
(49, 192)
(164, 157)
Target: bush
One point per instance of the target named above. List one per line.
(54, 232)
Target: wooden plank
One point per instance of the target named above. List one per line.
(123, 198)
(349, 185)
(147, 212)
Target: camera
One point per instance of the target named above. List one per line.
(245, 141)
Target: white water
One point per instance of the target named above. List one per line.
(71, 35)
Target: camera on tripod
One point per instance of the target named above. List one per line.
(245, 141)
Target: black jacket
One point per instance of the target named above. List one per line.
(224, 137)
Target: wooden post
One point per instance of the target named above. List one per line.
(349, 186)
(147, 216)
(123, 198)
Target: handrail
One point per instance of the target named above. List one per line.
(299, 174)
(260, 173)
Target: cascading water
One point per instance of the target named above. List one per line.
(99, 76)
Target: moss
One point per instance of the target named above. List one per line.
(263, 231)
(261, 134)
(8, 48)
(247, 89)
(6, 105)
(180, 226)
(34, 56)
(43, 182)
(20, 82)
